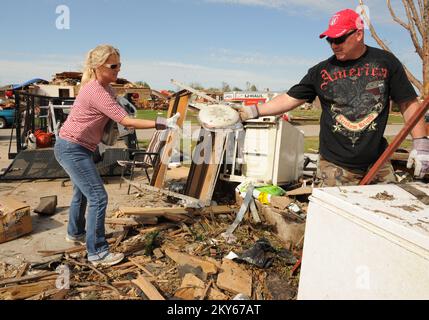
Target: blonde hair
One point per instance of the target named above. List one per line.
(96, 58)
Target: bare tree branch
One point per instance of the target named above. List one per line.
(412, 30)
(395, 18)
(425, 91)
(417, 83)
(416, 17)
(421, 6)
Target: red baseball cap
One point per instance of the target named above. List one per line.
(342, 22)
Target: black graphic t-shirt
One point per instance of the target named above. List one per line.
(355, 97)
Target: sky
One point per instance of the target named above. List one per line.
(268, 43)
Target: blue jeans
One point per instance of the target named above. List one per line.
(88, 187)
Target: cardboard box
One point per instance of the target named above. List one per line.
(15, 219)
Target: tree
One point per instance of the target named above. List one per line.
(212, 89)
(253, 88)
(142, 84)
(236, 89)
(196, 86)
(417, 24)
(248, 84)
(225, 87)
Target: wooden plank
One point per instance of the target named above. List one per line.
(177, 214)
(234, 278)
(300, 191)
(122, 221)
(189, 200)
(134, 261)
(179, 104)
(47, 253)
(280, 202)
(148, 288)
(23, 269)
(206, 161)
(193, 288)
(198, 166)
(186, 259)
(190, 283)
(150, 212)
(171, 211)
(26, 290)
(213, 167)
(157, 228)
(215, 210)
(28, 278)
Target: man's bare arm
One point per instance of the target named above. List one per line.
(408, 109)
(279, 105)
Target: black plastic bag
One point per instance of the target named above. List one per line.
(259, 255)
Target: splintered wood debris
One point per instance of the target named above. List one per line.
(383, 196)
(180, 255)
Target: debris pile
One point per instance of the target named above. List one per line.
(171, 253)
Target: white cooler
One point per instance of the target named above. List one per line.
(361, 244)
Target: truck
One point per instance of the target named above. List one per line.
(247, 98)
(7, 117)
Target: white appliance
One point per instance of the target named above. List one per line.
(269, 151)
(366, 242)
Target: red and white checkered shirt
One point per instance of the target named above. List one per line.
(91, 110)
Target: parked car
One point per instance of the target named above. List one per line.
(7, 117)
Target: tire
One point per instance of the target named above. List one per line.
(3, 123)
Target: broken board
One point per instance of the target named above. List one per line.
(206, 162)
(234, 278)
(179, 103)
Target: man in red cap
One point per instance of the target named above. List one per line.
(355, 87)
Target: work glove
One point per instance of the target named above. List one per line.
(162, 123)
(419, 157)
(248, 112)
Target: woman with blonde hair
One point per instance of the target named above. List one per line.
(74, 149)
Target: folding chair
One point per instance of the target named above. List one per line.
(144, 159)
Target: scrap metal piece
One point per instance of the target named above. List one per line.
(243, 209)
(420, 195)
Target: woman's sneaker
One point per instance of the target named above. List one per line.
(109, 260)
(76, 240)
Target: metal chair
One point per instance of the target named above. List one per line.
(143, 158)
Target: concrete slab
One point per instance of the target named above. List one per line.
(49, 232)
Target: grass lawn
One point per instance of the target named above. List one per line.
(191, 115)
(303, 117)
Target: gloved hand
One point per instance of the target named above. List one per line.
(419, 157)
(248, 112)
(162, 123)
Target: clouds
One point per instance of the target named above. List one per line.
(292, 5)
(18, 67)
(378, 9)
(159, 73)
(156, 73)
(255, 59)
(270, 43)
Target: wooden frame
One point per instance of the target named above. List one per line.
(206, 162)
(179, 103)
